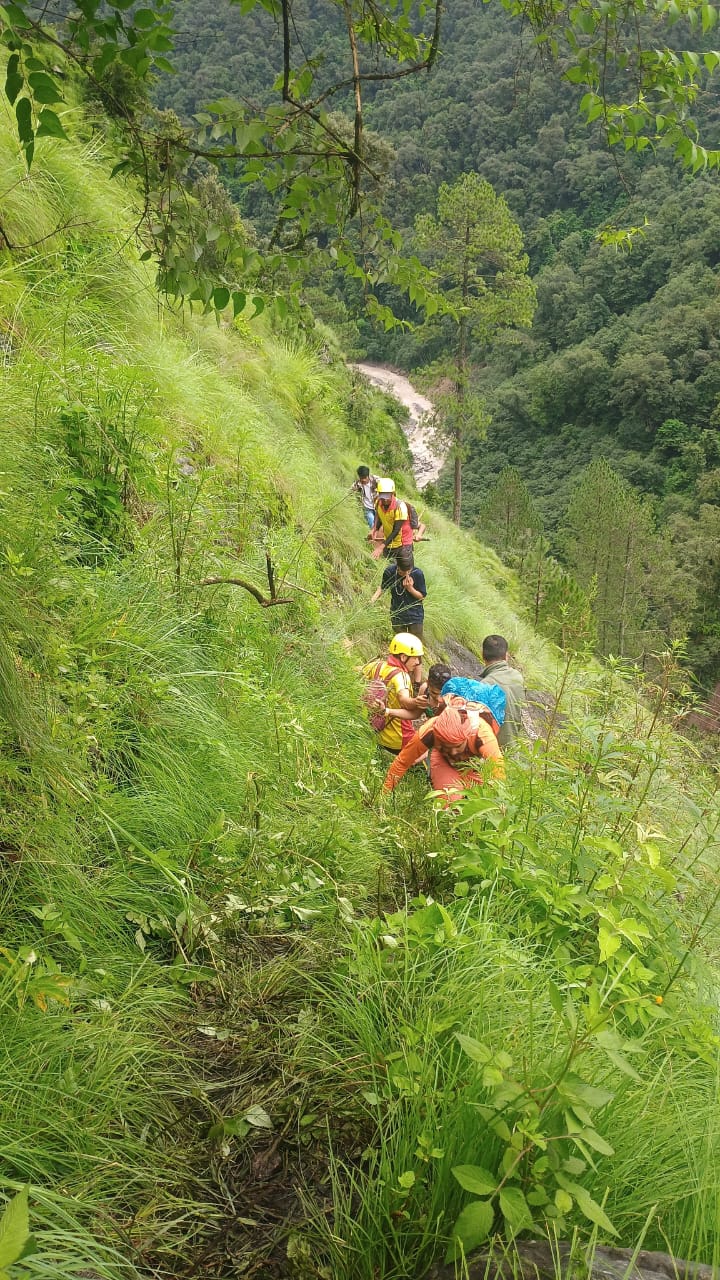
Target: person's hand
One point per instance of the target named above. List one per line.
(421, 701)
(377, 551)
(407, 580)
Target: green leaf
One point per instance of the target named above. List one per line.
(221, 298)
(49, 125)
(620, 1061)
(593, 1139)
(238, 300)
(14, 1229)
(472, 1177)
(258, 1117)
(515, 1209)
(23, 115)
(608, 942)
(44, 87)
(589, 1207)
(473, 1048)
(472, 1227)
(555, 996)
(563, 1200)
(122, 166)
(592, 1095)
(14, 80)
(16, 16)
(592, 1210)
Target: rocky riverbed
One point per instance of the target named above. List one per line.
(427, 461)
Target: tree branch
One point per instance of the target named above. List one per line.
(357, 144)
(247, 586)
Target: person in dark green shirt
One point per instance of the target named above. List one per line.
(497, 670)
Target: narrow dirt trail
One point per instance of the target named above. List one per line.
(427, 462)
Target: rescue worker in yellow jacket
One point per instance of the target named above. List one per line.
(395, 671)
(392, 528)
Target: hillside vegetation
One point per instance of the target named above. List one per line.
(621, 361)
(256, 1019)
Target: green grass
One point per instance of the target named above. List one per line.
(191, 832)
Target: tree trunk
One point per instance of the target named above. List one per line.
(622, 607)
(457, 489)
(461, 379)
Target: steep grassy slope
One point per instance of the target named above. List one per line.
(210, 923)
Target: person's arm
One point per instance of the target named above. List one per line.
(490, 750)
(385, 583)
(412, 703)
(413, 751)
(385, 545)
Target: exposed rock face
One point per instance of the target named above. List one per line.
(462, 661)
(538, 1260)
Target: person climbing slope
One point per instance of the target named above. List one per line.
(366, 488)
(392, 528)
(391, 702)
(461, 733)
(406, 585)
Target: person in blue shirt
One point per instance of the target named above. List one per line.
(406, 585)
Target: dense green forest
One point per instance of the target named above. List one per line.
(621, 360)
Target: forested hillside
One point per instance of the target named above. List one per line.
(260, 1016)
(621, 361)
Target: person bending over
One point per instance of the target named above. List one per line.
(455, 738)
(437, 676)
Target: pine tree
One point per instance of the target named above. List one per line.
(508, 519)
(476, 249)
(610, 539)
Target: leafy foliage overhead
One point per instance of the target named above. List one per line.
(320, 175)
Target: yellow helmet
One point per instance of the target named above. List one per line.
(385, 485)
(407, 644)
